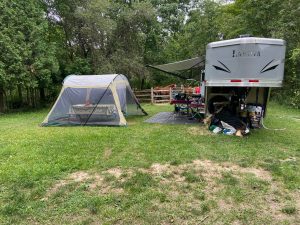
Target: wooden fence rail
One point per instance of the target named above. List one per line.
(153, 96)
(158, 96)
(143, 95)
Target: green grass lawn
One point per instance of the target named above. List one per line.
(148, 173)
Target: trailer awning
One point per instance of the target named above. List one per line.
(177, 68)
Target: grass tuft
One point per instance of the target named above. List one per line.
(229, 179)
(200, 195)
(139, 182)
(192, 177)
(289, 209)
(175, 162)
(256, 184)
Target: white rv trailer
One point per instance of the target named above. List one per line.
(244, 69)
(248, 67)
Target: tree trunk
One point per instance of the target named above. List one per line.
(32, 97)
(37, 97)
(42, 95)
(142, 83)
(28, 97)
(6, 100)
(20, 94)
(9, 99)
(2, 100)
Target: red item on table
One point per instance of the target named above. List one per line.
(174, 101)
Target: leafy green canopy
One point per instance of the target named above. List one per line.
(43, 41)
(27, 56)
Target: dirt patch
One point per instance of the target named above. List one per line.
(296, 198)
(215, 169)
(208, 169)
(165, 172)
(267, 203)
(55, 189)
(116, 172)
(93, 182)
(159, 168)
(191, 184)
(290, 159)
(258, 172)
(107, 153)
(79, 176)
(224, 205)
(198, 131)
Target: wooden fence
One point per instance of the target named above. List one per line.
(159, 96)
(143, 95)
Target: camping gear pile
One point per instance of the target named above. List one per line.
(94, 100)
(226, 120)
(236, 113)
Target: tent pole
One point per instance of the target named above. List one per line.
(98, 103)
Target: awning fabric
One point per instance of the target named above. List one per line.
(177, 68)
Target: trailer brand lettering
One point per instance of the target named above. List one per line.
(237, 53)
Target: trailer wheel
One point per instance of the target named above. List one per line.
(211, 103)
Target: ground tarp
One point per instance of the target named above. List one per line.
(171, 118)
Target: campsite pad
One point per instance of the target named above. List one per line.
(171, 118)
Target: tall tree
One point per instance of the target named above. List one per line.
(28, 55)
(134, 25)
(288, 28)
(201, 28)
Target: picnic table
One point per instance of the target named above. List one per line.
(192, 107)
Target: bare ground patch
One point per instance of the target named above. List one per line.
(107, 153)
(195, 190)
(93, 181)
(198, 130)
(268, 202)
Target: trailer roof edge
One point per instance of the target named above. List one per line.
(247, 40)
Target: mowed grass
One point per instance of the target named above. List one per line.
(148, 173)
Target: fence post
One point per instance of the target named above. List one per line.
(152, 96)
(170, 94)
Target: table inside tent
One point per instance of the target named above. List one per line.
(100, 111)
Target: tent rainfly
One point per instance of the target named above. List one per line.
(94, 100)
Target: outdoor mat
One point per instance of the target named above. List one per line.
(171, 118)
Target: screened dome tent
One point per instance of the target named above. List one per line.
(94, 100)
